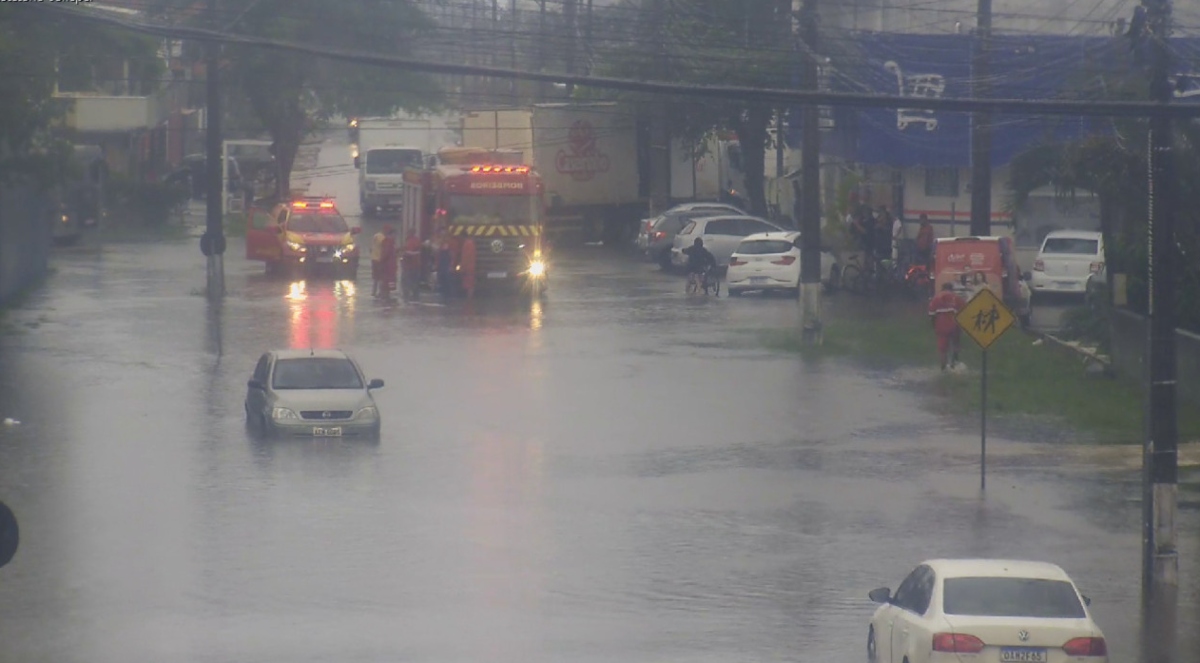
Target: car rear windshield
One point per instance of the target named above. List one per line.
(1011, 597)
(318, 223)
(759, 247)
(1071, 246)
(316, 373)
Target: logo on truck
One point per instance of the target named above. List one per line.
(581, 158)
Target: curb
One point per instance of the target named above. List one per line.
(1087, 354)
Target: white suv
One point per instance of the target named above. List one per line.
(1066, 261)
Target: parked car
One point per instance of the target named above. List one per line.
(1066, 261)
(984, 610)
(658, 234)
(771, 261)
(721, 235)
(311, 393)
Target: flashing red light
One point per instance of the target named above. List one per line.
(326, 205)
(300, 204)
(499, 169)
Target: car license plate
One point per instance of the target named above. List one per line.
(327, 432)
(324, 258)
(1066, 285)
(759, 279)
(497, 275)
(1022, 655)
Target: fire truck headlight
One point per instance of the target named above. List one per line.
(537, 269)
(295, 246)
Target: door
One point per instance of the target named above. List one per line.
(721, 237)
(908, 626)
(262, 242)
(256, 399)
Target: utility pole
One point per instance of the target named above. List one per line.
(660, 132)
(571, 31)
(810, 212)
(512, 51)
(212, 243)
(981, 125)
(1160, 554)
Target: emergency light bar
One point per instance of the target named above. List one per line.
(499, 169)
(302, 204)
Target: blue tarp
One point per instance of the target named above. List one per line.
(1022, 67)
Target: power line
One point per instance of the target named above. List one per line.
(727, 92)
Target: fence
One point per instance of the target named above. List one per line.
(25, 238)
(1129, 354)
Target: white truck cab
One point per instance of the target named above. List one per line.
(381, 176)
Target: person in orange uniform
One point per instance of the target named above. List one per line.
(467, 262)
(943, 310)
(410, 278)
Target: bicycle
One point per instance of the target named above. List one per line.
(857, 277)
(706, 281)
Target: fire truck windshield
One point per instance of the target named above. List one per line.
(317, 223)
(392, 161)
(483, 210)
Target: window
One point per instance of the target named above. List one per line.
(392, 162)
(689, 228)
(722, 227)
(906, 595)
(759, 247)
(1011, 597)
(491, 210)
(260, 220)
(941, 182)
(316, 373)
(754, 226)
(1072, 246)
(281, 217)
(318, 223)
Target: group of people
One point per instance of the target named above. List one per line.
(451, 259)
(880, 236)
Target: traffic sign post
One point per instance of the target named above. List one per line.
(985, 319)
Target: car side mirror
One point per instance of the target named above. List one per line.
(1026, 276)
(881, 595)
(255, 384)
(355, 230)
(1086, 600)
(357, 162)
(375, 384)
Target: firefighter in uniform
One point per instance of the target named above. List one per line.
(943, 310)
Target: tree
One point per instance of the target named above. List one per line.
(290, 94)
(712, 42)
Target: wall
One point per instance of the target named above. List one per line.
(1129, 351)
(1095, 17)
(24, 240)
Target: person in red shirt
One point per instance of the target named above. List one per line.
(943, 310)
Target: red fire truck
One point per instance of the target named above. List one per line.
(488, 197)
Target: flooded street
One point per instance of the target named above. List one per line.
(616, 473)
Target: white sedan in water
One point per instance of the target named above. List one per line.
(988, 611)
(771, 261)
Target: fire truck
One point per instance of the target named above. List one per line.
(486, 196)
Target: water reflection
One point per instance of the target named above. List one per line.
(316, 311)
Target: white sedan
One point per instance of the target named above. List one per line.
(770, 261)
(989, 611)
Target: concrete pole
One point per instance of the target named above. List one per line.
(981, 126)
(1161, 556)
(212, 244)
(810, 213)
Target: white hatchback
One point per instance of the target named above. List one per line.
(1066, 260)
(984, 610)
(770, 261)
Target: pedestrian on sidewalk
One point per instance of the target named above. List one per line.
(943, 311)
(377, 261)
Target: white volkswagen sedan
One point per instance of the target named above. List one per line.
(1066, 261)
(770, 261)
(984, 610)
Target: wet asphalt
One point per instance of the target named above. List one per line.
(618, 472)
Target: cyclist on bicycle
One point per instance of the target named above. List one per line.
(700, 261)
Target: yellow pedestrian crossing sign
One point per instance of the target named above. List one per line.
(985, 318)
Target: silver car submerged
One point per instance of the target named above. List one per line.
(311, 393)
